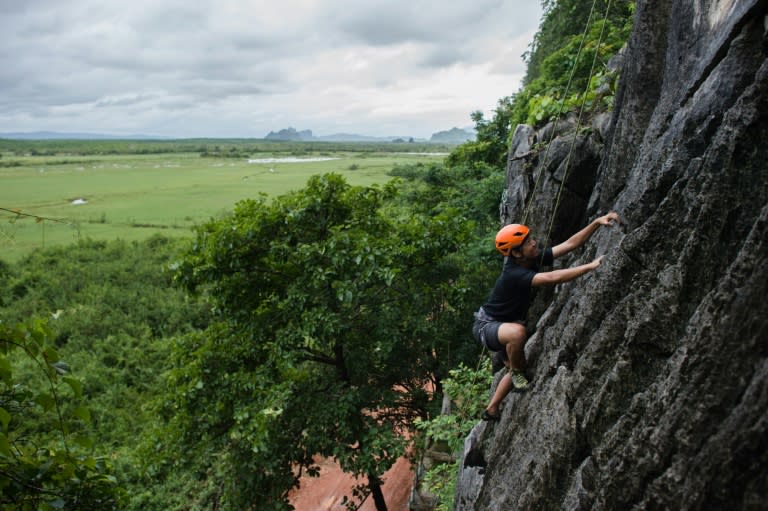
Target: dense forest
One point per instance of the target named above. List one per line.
(208, 373)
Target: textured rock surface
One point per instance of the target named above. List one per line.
(650, 374)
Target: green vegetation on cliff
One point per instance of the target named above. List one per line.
(572, 35)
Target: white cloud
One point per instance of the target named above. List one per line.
(244, 68)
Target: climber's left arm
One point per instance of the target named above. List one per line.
(583, 235)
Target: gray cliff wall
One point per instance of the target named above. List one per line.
(650, 375)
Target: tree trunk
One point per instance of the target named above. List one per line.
(378, 496)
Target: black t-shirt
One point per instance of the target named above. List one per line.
(511, 296)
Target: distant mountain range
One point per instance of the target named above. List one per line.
(452, 136)
(291, 134)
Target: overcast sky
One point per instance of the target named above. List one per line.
(242, 68)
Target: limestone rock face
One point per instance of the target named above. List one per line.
(650, 374)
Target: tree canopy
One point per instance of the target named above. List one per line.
(335, 315)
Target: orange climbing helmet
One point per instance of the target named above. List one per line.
(510, 236)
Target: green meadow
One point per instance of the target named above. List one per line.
(130, 191)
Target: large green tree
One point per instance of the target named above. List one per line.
(334, 315)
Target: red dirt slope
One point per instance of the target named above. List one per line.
(325, 493)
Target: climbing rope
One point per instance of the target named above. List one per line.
(485, 351)
(578, 121)
(578, 125)
(559, 111)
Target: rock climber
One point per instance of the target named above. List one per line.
(500, 323)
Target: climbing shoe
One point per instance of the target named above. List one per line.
(519, 381)
(491, 417)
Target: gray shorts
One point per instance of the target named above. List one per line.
(485, 330)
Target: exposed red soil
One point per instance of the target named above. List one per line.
(326, 492)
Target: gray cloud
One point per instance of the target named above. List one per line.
(245, 67)
(384, 23)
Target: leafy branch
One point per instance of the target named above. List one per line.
(444, 435)
(34, 473)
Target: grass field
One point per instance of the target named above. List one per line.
(132, 196)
